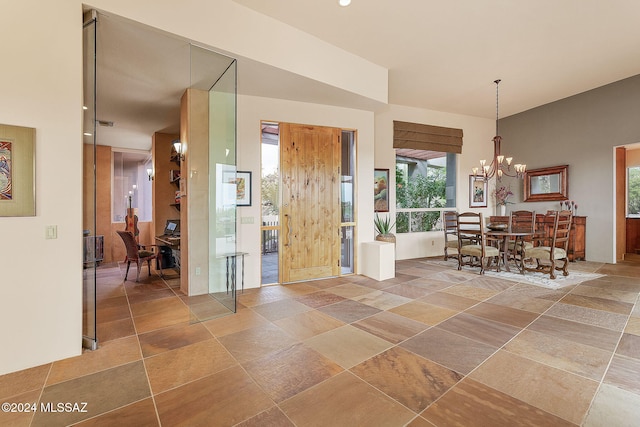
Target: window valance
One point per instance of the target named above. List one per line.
(426, 137)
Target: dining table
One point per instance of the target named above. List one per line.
(504, 236)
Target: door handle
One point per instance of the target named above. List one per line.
(288, 218)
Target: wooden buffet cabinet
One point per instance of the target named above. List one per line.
(577, 236)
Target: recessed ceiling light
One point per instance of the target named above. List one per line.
(344, 2)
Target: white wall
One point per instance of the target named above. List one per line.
(41, 280)
(477, 144)
(251, 110)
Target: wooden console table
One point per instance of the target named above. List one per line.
(577, 236)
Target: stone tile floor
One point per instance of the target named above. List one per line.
(431, 347)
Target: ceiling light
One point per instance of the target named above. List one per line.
(344, 2)
(497, 166)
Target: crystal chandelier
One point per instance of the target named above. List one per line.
(500, 165)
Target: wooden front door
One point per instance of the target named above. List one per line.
(310, 211)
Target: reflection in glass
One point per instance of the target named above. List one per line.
(545, 184)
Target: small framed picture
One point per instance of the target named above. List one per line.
(243, 188)
(477, 192)
(380, 191)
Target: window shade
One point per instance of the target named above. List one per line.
(426, 137)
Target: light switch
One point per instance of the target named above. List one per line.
(51, 232)
(246, 220)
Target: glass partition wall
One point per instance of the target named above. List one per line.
(210, 220)
(214, 267)
(89, 335)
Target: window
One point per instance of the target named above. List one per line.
(425, 185)
(633, 191)
(131, 184)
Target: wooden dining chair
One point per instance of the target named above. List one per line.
(522, 221)
(551, 249)
(136, 254)
(450, 232)
(472, 242)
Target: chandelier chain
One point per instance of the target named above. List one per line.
(497, 82)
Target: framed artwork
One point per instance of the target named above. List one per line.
(243, 188)
(17, 171)
(477, 192)
(380, 190)
(238, 188)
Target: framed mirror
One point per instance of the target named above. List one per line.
(546, 184)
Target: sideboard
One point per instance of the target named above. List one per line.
(577, 236)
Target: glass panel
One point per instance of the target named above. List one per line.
(633, 191)
(424, 221)
(270, 202)
(92, 246)
(208, 195)
(131, 185)
(347, 199)
(347, 247)
(402, 222)
(270, 256)
(347, 180)
(226, 265)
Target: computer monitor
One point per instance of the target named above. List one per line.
(172, 228)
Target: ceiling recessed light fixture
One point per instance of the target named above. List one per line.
(344, 2)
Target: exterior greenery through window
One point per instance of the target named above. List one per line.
(425, 185)
(633, 191)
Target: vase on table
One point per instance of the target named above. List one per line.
(503, 210)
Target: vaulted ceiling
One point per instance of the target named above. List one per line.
(440, 55)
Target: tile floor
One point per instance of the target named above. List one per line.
(431, 347)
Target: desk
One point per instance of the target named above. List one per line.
(169, 248)
(231, 272)
(506, 235)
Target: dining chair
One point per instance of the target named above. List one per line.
(450, 232)
(522, 221)
(550, 249)
(472, 242)
(137, 254)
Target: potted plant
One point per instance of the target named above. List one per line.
(383, 227)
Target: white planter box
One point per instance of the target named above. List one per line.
(378, 260)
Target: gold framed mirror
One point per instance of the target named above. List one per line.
(546, 184)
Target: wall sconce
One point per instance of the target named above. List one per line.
(177, 145)
(150, 174)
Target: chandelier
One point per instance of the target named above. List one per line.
(500, 165)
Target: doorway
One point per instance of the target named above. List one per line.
(310, 214)
(308, 202)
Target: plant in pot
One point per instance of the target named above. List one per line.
(383, 227)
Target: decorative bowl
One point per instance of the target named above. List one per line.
(497, 227)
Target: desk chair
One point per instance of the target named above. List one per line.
(136, 254)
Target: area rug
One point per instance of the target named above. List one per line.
(530, 277)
